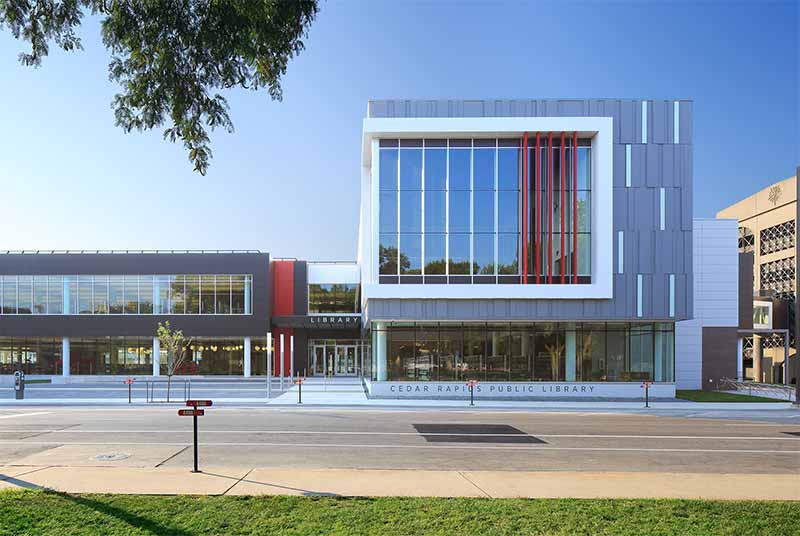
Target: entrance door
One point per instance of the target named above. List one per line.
(318, 357)
(346, 361)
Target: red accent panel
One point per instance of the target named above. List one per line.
(537, 209)
(282, 305)
(550, 209)
(574, 207)
(525, 208)
(562, 227)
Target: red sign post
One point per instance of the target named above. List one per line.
(194, 412)
(472, 384)
(299, 383)
(646, 386)
(129, 383)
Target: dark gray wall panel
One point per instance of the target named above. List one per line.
(719, 355)
(638, 165)
(300, 288)
(256, 264)
(668, 166)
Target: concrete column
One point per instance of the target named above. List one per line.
(379, 348)
(571, 354)
(740, 359)
(280, 375)
(156, 357)
(65, 357)
(269, 365)
(757, 356)
(786, 359)
(247, 364)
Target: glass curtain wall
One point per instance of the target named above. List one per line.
(32, 355)
(219, 356)
(111, 355)
(212, 294)
(550, 352)
(449, 210)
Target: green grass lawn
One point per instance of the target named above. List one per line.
(43, 513)
(37, 380)
(713, 396)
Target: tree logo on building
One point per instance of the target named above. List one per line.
(774, 194)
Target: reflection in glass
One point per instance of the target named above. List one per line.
(131, 292)
(388, 169)
(410, 212)
(145, 294)
(116, 299)
(410, 169)
(193, 294)
(410, 254)
(459, 169)
(435, 259)
(207, 297)
(483, 169)
(459, 253)
(435, 169)
(237, 295)
(483, 254)
(435, 211)
(388, 212)
(40, 294)
(387, 254)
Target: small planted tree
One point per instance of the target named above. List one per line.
(176, 344)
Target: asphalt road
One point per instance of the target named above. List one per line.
(402, 439)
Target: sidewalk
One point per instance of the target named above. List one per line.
(410, 483)
(359, 400)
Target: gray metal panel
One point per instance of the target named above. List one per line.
(646, 209)
(653, 164)
(668, 153)
(685, 126)
(571, 108)
(660, 292)
(646, 252)
(686, 208)
(627, 122)
(619, 166)
(661, 122)
(638, 165)
(636, 210)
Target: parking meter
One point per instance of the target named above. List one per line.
(19, 385)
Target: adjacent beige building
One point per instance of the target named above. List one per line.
(767, 229)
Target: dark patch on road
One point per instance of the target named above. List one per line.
(474, 433)
(793, 433)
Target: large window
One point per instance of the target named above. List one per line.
(338, 298)
(451, 211)
(126, 294)
(32, 355)
(541, 351)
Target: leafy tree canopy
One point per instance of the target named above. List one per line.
(171, 57)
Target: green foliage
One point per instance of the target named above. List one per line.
(170, 57)
(45, 513)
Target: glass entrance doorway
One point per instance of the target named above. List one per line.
(335, 357)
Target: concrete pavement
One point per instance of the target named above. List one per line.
(406, 483)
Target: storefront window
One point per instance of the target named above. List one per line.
(32, 355)
(550, 352)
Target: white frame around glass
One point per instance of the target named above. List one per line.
(67, 282)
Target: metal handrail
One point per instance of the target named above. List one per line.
(766, 389)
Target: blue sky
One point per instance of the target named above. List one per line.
(287, 180)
